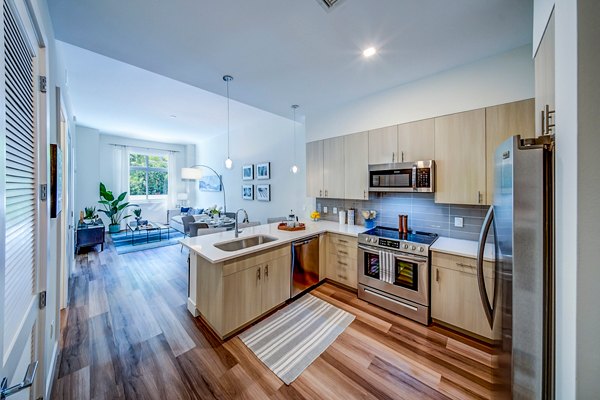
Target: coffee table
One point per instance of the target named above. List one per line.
(149, 227)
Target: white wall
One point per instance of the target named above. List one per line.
(541, 14)
(268, 138)
(500, 79)
(94, 164)
(577, 198)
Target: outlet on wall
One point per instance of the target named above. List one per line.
(458, 222)
(335, 210)
(325, 210)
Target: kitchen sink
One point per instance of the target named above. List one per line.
(244, 243)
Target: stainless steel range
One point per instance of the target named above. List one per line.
(394, 270)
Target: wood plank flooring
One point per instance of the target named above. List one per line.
(127, 335)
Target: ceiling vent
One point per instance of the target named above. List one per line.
(328, 5)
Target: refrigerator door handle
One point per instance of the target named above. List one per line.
(485, 229)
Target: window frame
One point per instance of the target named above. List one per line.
(147, 169)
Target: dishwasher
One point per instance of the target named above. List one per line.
(305, 264)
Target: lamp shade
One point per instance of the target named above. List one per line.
(191, 173)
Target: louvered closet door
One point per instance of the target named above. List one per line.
(19, 309)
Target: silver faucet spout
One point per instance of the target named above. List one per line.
(237, 231)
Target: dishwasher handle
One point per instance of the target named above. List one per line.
(304, 241)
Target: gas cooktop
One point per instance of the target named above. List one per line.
(413, 242)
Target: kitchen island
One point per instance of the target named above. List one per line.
(231, 289)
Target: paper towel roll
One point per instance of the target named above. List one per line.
(342, 215)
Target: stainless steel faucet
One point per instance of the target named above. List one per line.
(236, 220)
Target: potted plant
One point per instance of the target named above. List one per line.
(89, 214)
(138, 215)
(369, 216)
(114, 208)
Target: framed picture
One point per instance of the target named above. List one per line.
(56, 180)
(263, 170)
(248, 192)
(248, 172)
(210, 183)
(263, 192)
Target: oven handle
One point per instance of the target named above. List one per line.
(398, 254)
(390, 299)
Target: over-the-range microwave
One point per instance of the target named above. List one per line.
(417, 176)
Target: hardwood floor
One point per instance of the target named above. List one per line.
(128, 335)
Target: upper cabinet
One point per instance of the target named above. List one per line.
(502, 122)
(460, 158)
(544, 77)
(356, 170)
(314, 169)
(333, 167)
(415, 141)
(383, 145)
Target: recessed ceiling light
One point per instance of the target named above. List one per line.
(369, 52)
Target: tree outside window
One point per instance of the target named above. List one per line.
(148, 176)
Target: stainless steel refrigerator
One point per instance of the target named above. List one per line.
(520, 225)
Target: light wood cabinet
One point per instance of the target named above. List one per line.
(416, 140)
(502, 122)
(383, 145)
(341, 260)
(333, 167)
(314, 169)
(544, 75)
(455, 299)
(460, 158)
(356, 166)
(234, 293)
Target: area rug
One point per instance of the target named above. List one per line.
(122, 240)
(291, 339)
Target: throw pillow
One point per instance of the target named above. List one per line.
(185, 210)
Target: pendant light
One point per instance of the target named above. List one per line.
(228, 162)
(294, 168)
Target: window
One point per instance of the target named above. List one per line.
(148, 176)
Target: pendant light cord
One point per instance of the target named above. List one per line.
(227, 81)
(294, 135)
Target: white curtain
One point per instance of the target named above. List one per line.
(120, 172)
(172, 181)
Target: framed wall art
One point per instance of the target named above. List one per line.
(263, 192)
(248, 192)
(248, 172)
(263, 170)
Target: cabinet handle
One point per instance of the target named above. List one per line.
(258, 274)
(365, 194)
(343, 252)
(342, 263)
(267, 271)
(320, 193)
(402, 156)
(393, 157)
(478, 197)
(342, 241)
(459, 264)
(325, 192)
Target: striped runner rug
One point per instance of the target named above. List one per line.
(291, 339)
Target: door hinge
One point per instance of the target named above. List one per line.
(42, 300)
(43, 191)
(43, 84)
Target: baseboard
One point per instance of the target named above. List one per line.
(191, 306)
(52, 372)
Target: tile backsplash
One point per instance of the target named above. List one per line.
(423, 213)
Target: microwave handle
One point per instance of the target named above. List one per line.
(414, 177)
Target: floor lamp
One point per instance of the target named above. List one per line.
(194, 173)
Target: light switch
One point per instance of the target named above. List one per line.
(325, 210)
(458, 222)
(335, 210)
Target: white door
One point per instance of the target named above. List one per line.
(20, 209)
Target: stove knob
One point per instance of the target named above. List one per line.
(413, 248)
(421, 249)
(405, 246)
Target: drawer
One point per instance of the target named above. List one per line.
(341, 240)
(462, 264)
(342, 269)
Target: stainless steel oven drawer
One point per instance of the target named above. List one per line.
(414, 311)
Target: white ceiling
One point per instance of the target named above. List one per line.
(281, 52)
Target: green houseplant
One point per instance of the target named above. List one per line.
(114, 208)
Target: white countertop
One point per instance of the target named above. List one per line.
(204, 245)
(463, 248)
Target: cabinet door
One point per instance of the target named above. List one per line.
(333, 167)
(460, 158)
(276, 282)
(356, 162)
(415, 140)
(314, 169)
(502, 122)
(242, 297)
(544, 75)
(383, 145)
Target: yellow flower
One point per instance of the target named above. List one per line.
(315, 215)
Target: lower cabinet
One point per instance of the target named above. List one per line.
(231, 294)
(455, 297)
(341, 260)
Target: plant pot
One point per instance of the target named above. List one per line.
(370, 223)
(114, 228)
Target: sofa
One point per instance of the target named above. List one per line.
(174, 217)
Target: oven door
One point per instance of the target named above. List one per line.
(404, 275)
